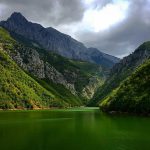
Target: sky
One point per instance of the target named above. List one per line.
(116, 27)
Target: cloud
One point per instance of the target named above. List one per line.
(47, 12)
(123, 37)
(115, 27)
(103, 18)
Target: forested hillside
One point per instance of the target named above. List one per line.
(133, 95)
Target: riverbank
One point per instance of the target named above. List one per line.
(82, 108)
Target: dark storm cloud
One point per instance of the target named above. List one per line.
(123, 38)
(53, 12)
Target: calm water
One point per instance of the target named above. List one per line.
(77, 129)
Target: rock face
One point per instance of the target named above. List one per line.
(29, 59)
(133, 60)
(52, 74)
(89, 90)
(56, 41)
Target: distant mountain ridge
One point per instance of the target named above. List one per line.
(53, 40)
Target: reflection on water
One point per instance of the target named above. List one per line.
(78, 129)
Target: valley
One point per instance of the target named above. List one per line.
(74, 75)
(44, 68)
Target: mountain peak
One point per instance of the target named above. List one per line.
(17, 16)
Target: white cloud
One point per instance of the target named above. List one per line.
(87, 2)
(97, 19)
(103, 18)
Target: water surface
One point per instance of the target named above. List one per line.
(73, 129)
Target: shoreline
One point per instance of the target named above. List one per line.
(52, 108)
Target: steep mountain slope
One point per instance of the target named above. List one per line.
(121, 71)
(133, 95)
(72, 81)
(18, 90)
(56, 41)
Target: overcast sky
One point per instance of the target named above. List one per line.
(115, 27)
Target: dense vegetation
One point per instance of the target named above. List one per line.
(121, 71)
(59, 92)
(133, 95)
(18, 90)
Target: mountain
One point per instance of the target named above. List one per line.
(121, 71)
(17, 89)
(70, 82)
(53, 40)
(133, 95)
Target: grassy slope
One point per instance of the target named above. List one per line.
(133, 95)
(18, 90)
(57, 91)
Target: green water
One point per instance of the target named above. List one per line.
(75, 129)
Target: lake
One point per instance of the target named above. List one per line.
(72, 129)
